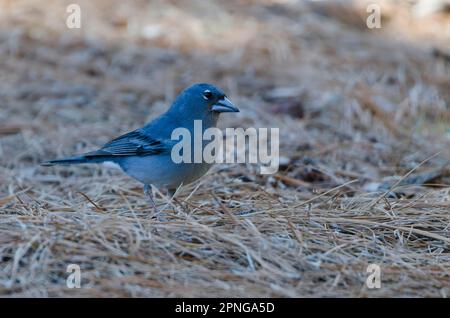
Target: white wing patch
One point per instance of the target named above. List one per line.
(111, 165)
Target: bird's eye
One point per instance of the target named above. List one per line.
(207, 94)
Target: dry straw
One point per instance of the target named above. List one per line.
(362, 114)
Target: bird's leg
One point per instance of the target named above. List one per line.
(148, 191)
(171, 193)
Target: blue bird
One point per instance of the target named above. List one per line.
(145, 153)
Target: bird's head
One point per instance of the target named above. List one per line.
(201, 101)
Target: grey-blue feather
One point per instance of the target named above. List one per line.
(145, 153)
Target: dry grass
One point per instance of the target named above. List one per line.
(364, 124)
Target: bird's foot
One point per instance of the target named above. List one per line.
(156, 213)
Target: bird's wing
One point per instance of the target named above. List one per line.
(135, 143)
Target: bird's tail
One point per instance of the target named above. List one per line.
(70, 161)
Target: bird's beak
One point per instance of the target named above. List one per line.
(224, 105)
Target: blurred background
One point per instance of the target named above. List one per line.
(351, 103)
(312, 64)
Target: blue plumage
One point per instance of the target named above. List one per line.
(144, 154)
